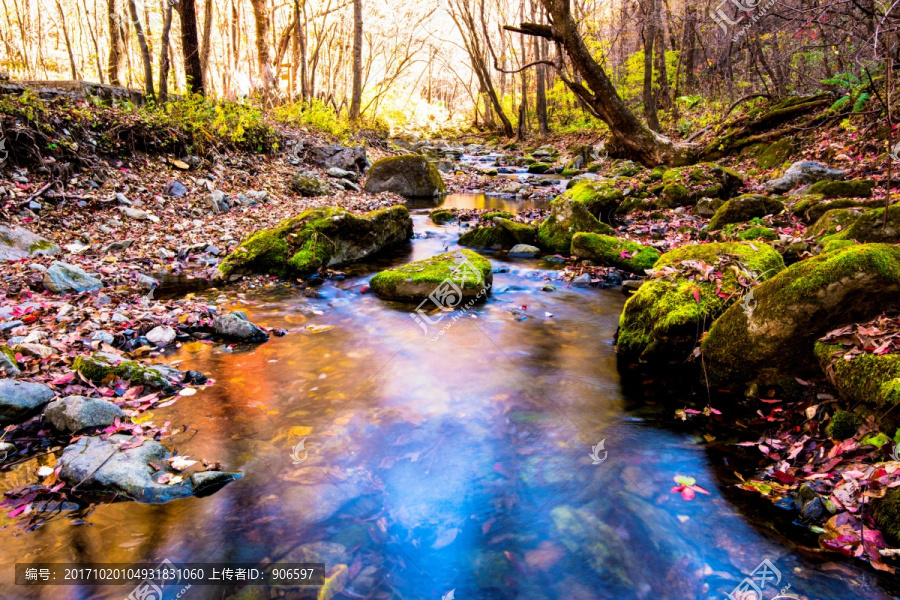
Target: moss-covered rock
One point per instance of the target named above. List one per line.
(686, 185)
(833, 221)
(813, 206)
(774, 154)
(308, 185)
(568, 217)
(868, 378)
(663, 320)
(441, 216)
(470, 276)
(887, 515)
(870, 227)
(844, 425)
(492, 238)
(855, 188)
(317, 238)
(410, 176)
(707, 207)
(791, 310)
(522, 233)
(602, 198)
(538, 168)
(758, 233)
(743, 208)
(616, 252)
(489, 216)
(102, 367)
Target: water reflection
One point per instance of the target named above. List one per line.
(458, 464)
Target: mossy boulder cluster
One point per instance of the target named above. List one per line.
(871, 227)
(410, 176)
(318, 238)
(453, 276)
(775, 340)
(665, 318)
(686, 185)
(611, 251)
(743, 208)
(568, 217)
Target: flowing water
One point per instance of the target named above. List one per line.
(461, 463)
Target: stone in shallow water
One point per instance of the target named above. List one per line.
(463, 274)
(21, 399)
(235, 326)
(162, 335)
(74, 413)
(524, 251)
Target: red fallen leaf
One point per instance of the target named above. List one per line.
(67, 378)
(132, 444)
(16, 512)
(696, 292)
(784, 477)
(625, 254)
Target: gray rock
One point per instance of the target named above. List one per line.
(218, 202)
(121, 199)
(814, 510)
(342, 174)
(120, 246)
(145, 283)
(135, 214)
(103, 336)
(630, 286)
(246, 201)
(445, 166)
(20, 400)
(74, 413)
(583, 280)
(16, 243)
(410, 176)
(161, 335)
(8, 366)
(63, 278)
(801, 173)
(101, 467)
(308, 185)
(175, 188)
(235, 326)
(258, 195)
(707, 207)
(348, 159)
(36, 206)
(524, 251)
(10, 325)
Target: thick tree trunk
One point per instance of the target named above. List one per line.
(263, 55)
(190, 46)
(115, 44)
(164, 52)
(356, 99)
(630, 137)
(145, 49)
(648, 97)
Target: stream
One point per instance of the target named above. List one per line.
(428, 465)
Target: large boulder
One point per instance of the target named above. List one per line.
(743, 208)
(866, 379)
(410, 176)
(802, 173)
(235, 326)
(684, 186)
(616, 252)
(772, 337)
(347, 159)
(16, 243)
(63, 278)
(74, 413)
(665, 318)
(102, 467)
(568, 217)
(451, 277)
(834, 221)
(490, 238)
(317, 238)
(20, 400)
(870, 227)
(601, 198)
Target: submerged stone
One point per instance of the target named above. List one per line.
(235, 326)
(451, 276)
(318, 238)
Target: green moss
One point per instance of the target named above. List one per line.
(663, 320)
(775, 153)
(498, 213)
(833, 221)
(538, 168)
(441, 216)
(400, 164)
(868, 378)
(487, 237)
(614, 252)
(431, 272)
(675, 194)
(844, 425)
(743, 208)
(567, 218)
(601, 198)
(523, 234)
(8, 352)
(887, 515)
(98, 368)
(870, 227)
(815, 210)
(832, 245)
(857, 188)
(632, 204)
(40, 245)
(759, 233)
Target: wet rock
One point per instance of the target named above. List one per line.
(235, 326)
(161, 335)
(74, 413)
(468, 275)
(867, 379)
(100, 365)
(348, 159)
(308, 185)
(492, 238)
(146, 283)
(7, 451)
(814, 510)
(410, 176)
(63, 278)
(743, 208)
(319, 238)
(616, 252)
(803, 173)
(524, 251)
(329, 552)
(175, 188)
(583, 280)
(20, 400)
(663, 320)
(8, 365)
(567, 217)
(792, 309)
(101, 467)
(631, 286)
(16, 243)
(439, 217)
(520, 233)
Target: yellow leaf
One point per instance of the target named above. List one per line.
(299, 431)
(143, 418)
(335, 584)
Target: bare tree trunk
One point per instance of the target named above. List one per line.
(115, 44)
(650, 17)
(164, 52)
(205, 45)
(263, 57)
(356, 101)
(190, 47)
(65, 30)
(145, 49)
